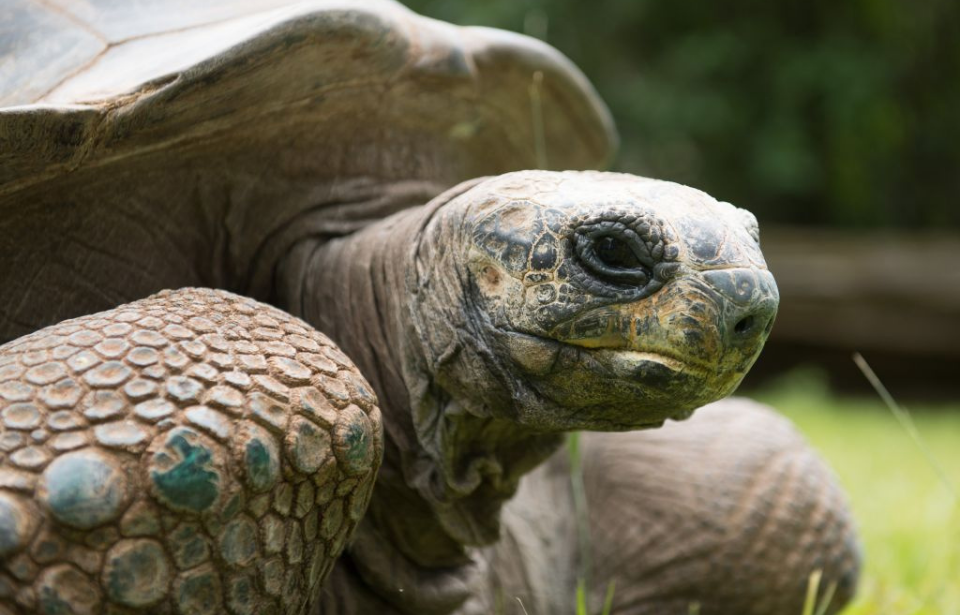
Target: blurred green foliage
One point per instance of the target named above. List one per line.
(810, 112)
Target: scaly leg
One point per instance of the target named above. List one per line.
(731, 510)
(193, 452)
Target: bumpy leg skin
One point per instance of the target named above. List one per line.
(730, 510)
(194, 452)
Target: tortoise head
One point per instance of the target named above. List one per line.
(604, 301)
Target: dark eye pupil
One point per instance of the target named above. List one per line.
(616, 253)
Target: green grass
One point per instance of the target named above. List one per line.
(909, 520)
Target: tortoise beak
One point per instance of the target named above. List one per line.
(712, 321)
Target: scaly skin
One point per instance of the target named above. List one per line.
(192, 452)
(489, 322)
(731, 510)
(491, 328)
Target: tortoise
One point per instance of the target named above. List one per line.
(286, 321)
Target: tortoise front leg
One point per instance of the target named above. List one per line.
(193, 452)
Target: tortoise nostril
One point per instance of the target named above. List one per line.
(748, 329)
(745, 325)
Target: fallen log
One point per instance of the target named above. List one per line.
(890, 291)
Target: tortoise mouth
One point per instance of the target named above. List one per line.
(631, 364)
(612, 389)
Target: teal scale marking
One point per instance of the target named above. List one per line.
(199, 591)
(52, 604)
(11, 530)
(137, 574)
(189, 546)
(85, 489)
(358, 445)
(192, 484)
(261, 466)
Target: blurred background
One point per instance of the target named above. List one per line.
(838, 125)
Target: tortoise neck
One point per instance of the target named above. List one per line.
(354, 291)
(447, 468)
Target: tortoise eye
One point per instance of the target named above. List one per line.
(613, 256)
(615, 253)
(621, 254)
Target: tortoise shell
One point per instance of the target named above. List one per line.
(161, 144)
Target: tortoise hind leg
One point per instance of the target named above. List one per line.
(731, 510)
(193, 452)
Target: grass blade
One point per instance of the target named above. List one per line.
(827, 599)
(581, 598)
(580, 506)
(522, 607)
(905, 420)
(813, 585)
(608, 599)
(536, 116)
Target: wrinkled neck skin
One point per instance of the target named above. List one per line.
(395, 299)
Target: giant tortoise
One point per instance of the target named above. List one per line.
(207, 207)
